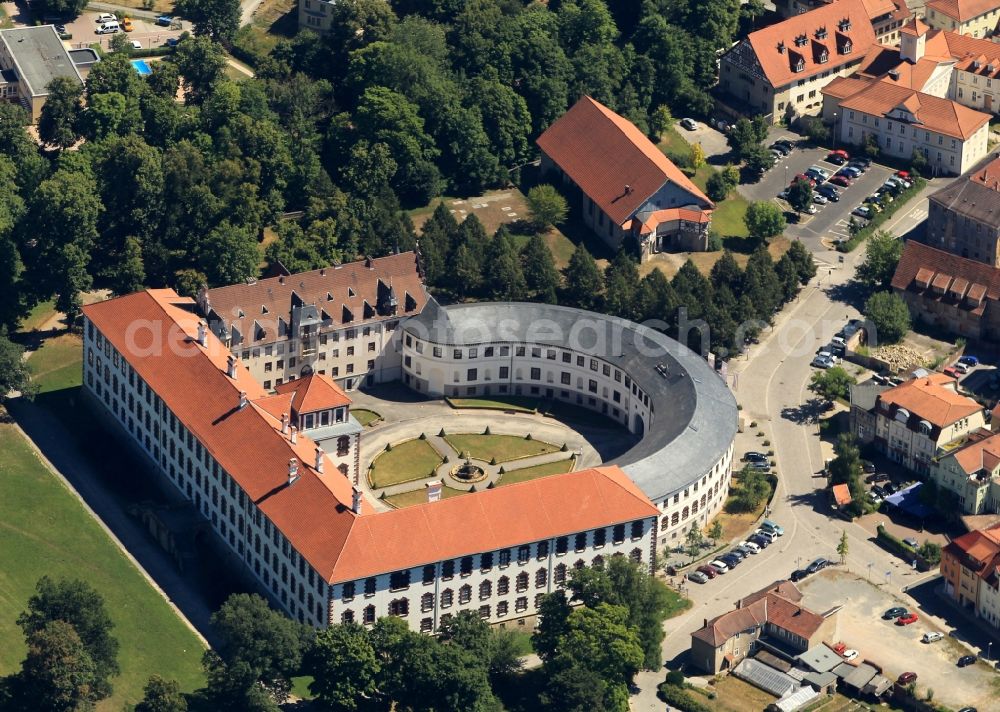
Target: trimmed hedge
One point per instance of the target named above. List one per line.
(679, 698)
(880, 218)
(151, 52)
(899, 548)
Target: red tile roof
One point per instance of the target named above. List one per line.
(156, 330)
(962, 10)
(916, 27)
(777, 52)
(314, 392)
(930, 112)
(841, 495)
(982, 452)
(349, 295)
(930, 398)
(657, 217)
(777, 604)
(919, 262)
(978, 550)
(611, 160)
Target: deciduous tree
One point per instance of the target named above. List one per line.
(882, 253)
(832, 383)
(162, 695)
(343, 665)
(215, 19)
(890, 315)
(546, 206)
(58, 674)
(764, 220)
(800, 195)
(57, 124)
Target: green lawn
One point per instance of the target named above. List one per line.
(676, 604)
(533, 473)
(57, 364)
(727, 219)
(5, 22)
(365, 416)
(419, 496)
(40, 314)
(515, 403)
(673, 144)
(410, 460)
(502, 447)
(45, 530)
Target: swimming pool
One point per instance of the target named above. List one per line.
(142, 66)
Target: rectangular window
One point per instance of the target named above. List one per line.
(523, 552)
(471, 375)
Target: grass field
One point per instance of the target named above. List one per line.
(735, 695)
(40, 314)
(45, 530)
(419, 496)
(410, 460)
(515, 403)
(727, 219)
(365, 416)
(56, 365)
(676, 603)
(527, 474)
(273, 21)
(502, 447)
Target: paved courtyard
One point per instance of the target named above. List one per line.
(898, 649)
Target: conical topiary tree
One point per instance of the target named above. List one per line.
(442, 433)
(487, 431)
(493, 461)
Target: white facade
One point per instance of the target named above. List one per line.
(915, 448)
(525, 369)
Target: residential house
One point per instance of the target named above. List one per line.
(30, 58)
(780, 70)
(771, 618)
(339, 321)
(969, 567)
(964, 216)
(864, 397)
(977, 18)
(627, 186)
(972, 472)
(915, 419)
(955, 294)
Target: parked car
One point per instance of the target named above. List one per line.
(874, 497)
(753, 455)
(817, 565)
(798, 575)
(906, 678)
(773, 527)
(167, 20)
(824, 359)
(730, 560)
(127, 24)
(803, 176)
(967, 660)
(840, 152)
(61, 29)
(862, 161)
(849, 654)
(816, 176)
(719, 566)
(172, 42)
(697, 577)
(911, 542)
(829, 192)
(708, 571)
(932, 637)
(894, 612)
(108, 28)
(781, 147)
(689, 124)
(868, 467)
(836, 159)
(876, 490)
(820, 199)
(890, 488)
(962, 368)
(737, 553)
(135, 44)
(770, 536)
(824, 173)
(842, 181)
(751, 547)
(761, 541)
(862, 211)
(907, 619)
(106, 17)
(969, 360)
(760, 465)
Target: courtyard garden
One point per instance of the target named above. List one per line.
(409, 460)
(498, 448)
(366, 417)
(419, 496)
(518, 404)
(527, 474)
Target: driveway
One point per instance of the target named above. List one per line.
(713, 142)
(146, 30)
(898, 649)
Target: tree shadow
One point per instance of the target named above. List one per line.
(807, 413)
(852, 293)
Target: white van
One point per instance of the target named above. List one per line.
(106, 17)
(108, 28)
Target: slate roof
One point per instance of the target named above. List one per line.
(976, 194)
(612, 161)
(694, 413)
(922, 268)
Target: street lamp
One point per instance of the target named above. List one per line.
(869, 571)
(989, 648)
(835, 129)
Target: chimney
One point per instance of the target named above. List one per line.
(202, 333)
(319, 459)
(293, 470)
(284, 423)
(231, 367)
(434, 491)
(243, 399)
(293, 433)
(356, 501)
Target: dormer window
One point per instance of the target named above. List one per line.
(975, 64)
(801, 41)
(799, 66)
(821, 33)
(844, 25)
(824, 56)
(847, 47)
(781, 47)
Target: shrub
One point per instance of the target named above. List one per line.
(714, 241)
(675, 678)
(717, 188)
(528, 436)
(423, 436)
(388, 447)
(679, 698)
(493, 460)
(442, 433)
(564, 448)
(487, 431)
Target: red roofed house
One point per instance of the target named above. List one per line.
(969, 566)
(771, 618)
(627, 185)
(977, 18)
(958, 295)
(780, 70)
(887, 16)
(916, 418)
(339, 321)
(301, 527)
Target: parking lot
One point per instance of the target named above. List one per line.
(896, 648)
(832, 220)
(146, 31)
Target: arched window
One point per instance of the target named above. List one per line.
(369, 615)
(636, 555)
(579, 564)
(465, 594)
(686, 513)
(703, 501)
(427, 602)
(447, 597)
(485, 590)
(521, 582)
(399, 607)
(559, 575)
(503, 586)
(343, 445)
(598, 562)
(541, 578)
(347, 616)
(343, 468)
(674, 518)
(694, 507)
